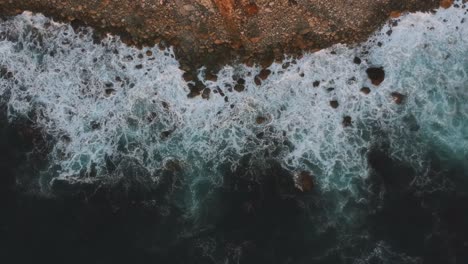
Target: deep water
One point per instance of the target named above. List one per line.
(105, 159)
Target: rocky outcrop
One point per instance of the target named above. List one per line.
(214, 32)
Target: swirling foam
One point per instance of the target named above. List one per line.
(107, 101)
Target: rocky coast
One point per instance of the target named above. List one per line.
(215, 32)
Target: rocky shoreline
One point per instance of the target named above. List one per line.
(212, 33)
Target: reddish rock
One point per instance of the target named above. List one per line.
(397, 97)
(251, 9)
(446, 3)
(304, 181)
(395, 14)
(365, 90)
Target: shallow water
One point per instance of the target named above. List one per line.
(119, 118)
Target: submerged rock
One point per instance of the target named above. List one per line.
(347, 121)
(304, 181)
(397, 97)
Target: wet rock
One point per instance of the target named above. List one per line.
(395, 14)
(151, 117)
(4, 73)
(260, 120)
(241, 81)
(110, 91)
(304, 181)
(188, 76)
(357, 60)
(193, 94)
(257, 81)
(376, 75)
(334, 104)
(347, 121)
(264, 73)
(239, 87)
(365, 90)
(206, 93)
(211, 77)
(397, 97)
(165, 134)
(446, 3)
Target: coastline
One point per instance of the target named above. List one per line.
(214, 33)
(327, 160)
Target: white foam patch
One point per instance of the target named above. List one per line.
(104, 100)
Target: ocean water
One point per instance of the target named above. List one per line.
(219, 172)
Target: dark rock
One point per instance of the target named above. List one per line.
(264, 73)
(206, 93)
(376, 75)
(139, 67)
(260, 120)
(316, 84)
(110, 91)
(334, 104)
(165, 134)
(357, 60)
(151, 117)
(347, 121)
(211, 77)
(365, 90)
(239, 87)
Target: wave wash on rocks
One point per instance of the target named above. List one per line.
(103, 104)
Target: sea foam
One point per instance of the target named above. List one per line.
(108, 102)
